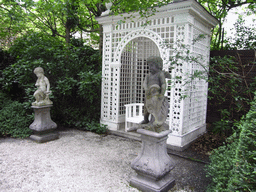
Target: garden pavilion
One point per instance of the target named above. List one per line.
(127, 43)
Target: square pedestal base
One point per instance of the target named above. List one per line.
(42, 138)
(146, 184)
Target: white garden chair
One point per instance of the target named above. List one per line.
(133, 114)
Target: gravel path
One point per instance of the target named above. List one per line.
(81, 162)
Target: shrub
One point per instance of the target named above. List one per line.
(14, 119)
(94, 127)
(233, 166)
(74, 73)
(5, 59)
(222, 161)
(244, 168)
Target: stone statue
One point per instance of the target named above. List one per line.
(108, 6)
(153, 165)
(43, 88)
(155, 102)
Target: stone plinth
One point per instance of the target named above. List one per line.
(43, 127)
(153, 164)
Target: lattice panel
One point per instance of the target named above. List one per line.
(114, 92)
(181, 33)
(195, 105)
(163, 27)
(176, 109)
(105, 103)
(128, 75)
(126, 48)
(116, 39)
(134, 69)
(164, 21)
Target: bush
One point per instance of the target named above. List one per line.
(5, 59)
(233, 166)
(14, 119)
(244, 168)
(74, 73)
(222, 161)
(94, 127)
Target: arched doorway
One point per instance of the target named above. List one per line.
(134, 69)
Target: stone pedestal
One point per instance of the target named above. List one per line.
(43, 127)
(153, 164)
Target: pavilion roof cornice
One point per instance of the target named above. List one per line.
(189, 6)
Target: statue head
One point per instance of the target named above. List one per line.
(39, 70)
(157, 61)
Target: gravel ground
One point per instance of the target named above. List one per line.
(82, 162)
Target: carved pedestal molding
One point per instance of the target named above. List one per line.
(153, 164)
(43, 126)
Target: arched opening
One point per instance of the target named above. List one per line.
(134, 69)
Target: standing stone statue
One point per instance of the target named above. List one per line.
(43, 88)
(43, 127)
(153, 165)
(155, 103)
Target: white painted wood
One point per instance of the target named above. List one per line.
(127, 45)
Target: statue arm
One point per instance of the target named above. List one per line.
(163, 83)
(145, 83)
(47, 84)
(37, 83)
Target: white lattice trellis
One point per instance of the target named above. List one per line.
(126, 47)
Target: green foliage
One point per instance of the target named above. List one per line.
(94, 127)
(53, 18)
(5, 59)
(63, 18)
(12, 22)
(14, 119)
(223, 127)
(182, 55)
(144, 8)
(220, 10)
(222, 161)
(244, 37)
(88, 81)
(230, 89)
(74, 73)
(231, 84)
(244, 169)
(232, 166)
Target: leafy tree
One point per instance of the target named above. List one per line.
(244, 37)
(220, 9)
(60, 18)
(12, 22)
(63, 18)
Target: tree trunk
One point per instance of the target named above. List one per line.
(67, 34)
(219, 38)
(101, 40)
(222, 39)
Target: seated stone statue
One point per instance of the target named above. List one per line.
(43, 88)
(155, 102)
